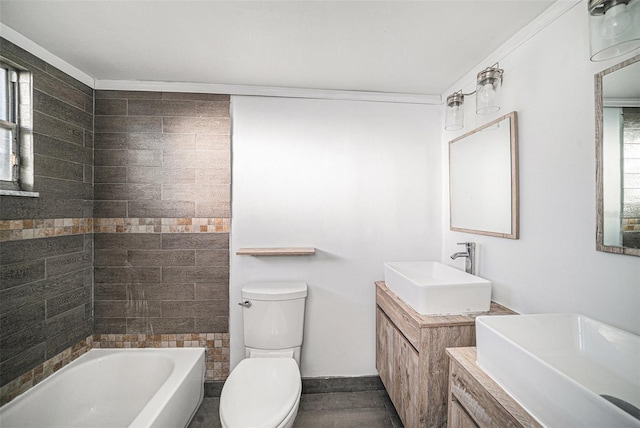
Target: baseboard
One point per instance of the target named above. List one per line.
(316, 385)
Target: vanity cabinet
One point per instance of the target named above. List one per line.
(476, 400)
(411, 357)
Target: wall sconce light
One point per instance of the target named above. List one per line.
(614, 28)
(487, 93)
(455, 112)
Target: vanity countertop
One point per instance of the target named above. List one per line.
(392, 302)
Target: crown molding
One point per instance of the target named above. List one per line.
(32, 47)
(265, 91)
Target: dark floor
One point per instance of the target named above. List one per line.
(370, 409)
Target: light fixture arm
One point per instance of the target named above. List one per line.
(488, 83)
(457, 98)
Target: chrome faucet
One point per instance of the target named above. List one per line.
(470, 254)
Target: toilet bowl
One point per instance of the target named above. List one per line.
(261, 393)
(263, 390)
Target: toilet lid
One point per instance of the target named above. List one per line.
(260, 392)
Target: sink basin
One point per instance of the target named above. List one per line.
(432, 288)
(559, 367)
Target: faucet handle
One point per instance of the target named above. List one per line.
(469, 265)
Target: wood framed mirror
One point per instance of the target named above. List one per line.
(483, 179)
(617, 99)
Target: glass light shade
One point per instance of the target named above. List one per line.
(488, 90)
(454, 118)
(614, 28)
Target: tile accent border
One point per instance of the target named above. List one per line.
(216, 359)
(39, 373)
(15, 230)
(162, 225)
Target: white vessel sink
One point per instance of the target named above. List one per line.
(432, 288)
(558, 367)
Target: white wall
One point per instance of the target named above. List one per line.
(554, 267)
(361, 182)
(367, 182)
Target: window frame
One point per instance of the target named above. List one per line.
(20, 125)
(11, 123)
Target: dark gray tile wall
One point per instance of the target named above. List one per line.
(46, 283)
(161, 155)
(157, 155)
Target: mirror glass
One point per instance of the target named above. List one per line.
(618, 158)
(483, 179)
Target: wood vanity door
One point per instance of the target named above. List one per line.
(397, 362)
(458, 417)
(384, 348)
(407, 380)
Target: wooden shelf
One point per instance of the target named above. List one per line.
(277, 251)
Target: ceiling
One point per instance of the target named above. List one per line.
(410, 47)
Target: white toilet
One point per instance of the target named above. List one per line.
(263, 391)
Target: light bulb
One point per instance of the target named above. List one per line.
(487, 94)
(455, 111)
(454, 117)
(617, 20)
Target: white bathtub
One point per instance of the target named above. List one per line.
(115, 388)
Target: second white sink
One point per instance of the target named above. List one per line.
(566, 370)
(432, 288)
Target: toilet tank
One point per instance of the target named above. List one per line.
(275, 319)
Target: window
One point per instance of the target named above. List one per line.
(9, 147)
(16, 153)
